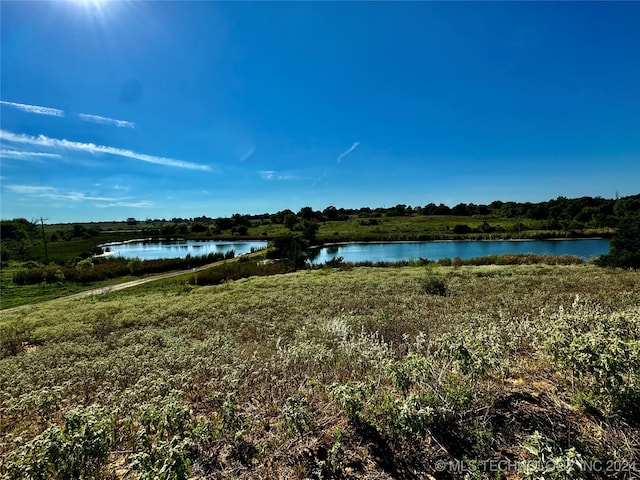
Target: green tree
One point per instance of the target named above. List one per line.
(224, 223)
(240, 220)
(198, 228)
(624, 249)
(289, 248)
(23, 249)
(627, 206)
(399, 210)
(330, 213)
(306, 213)
(290, 220)
(309, 230)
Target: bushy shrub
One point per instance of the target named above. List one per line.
(134, 265)
(519, 259)
(336, 262)
(434, 284)
(77, 449)
(236, 270)
(412, 395)
(11, 340)
(86, 264)
(351, 397)
(100, 269)
(296, 414)
(603, 352)
(461, 229)
(166, 460)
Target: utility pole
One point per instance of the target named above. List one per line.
(44, 237)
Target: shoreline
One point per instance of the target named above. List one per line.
(177, 239)
(373, 242)
(352, 242)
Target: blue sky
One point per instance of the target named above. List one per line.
(116, 109)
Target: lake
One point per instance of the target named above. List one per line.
(435, 250)
(373, 252)
(155, 249)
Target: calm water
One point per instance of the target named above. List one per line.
(374, 252)
(150, 250)
(392, 252)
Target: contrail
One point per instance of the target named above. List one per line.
(52, 112)
(105, 120)
(351, 149)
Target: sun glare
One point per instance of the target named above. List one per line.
(91, 3)
(93, 8)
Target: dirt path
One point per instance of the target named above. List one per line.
(132, 283)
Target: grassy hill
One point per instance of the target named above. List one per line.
(357, 374)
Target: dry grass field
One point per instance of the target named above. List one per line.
(523, 371)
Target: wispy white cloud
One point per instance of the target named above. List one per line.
(56, 112)
(248, 154)
(52, 112)
(55, 194)
(30, 189)
(348, 151)
(52, 193)
(141, 204)
(273, 175)
(22, 155)
(44, 141)
(105, 120)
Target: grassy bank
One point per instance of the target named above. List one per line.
(427, 227)
(14, 295)
(329, 374)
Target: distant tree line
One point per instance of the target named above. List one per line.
(561, 214)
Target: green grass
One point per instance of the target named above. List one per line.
(421, 227)
(410, 227)
(324, 373)
(15, 295)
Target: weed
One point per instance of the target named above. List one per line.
(549, 462)
(602, 351)
(11, 340)
(45, 402)
(297, 418)
(166, 460)
(77, 449)
(351, 398)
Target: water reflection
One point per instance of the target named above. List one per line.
(435, 250)
(154, 249)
